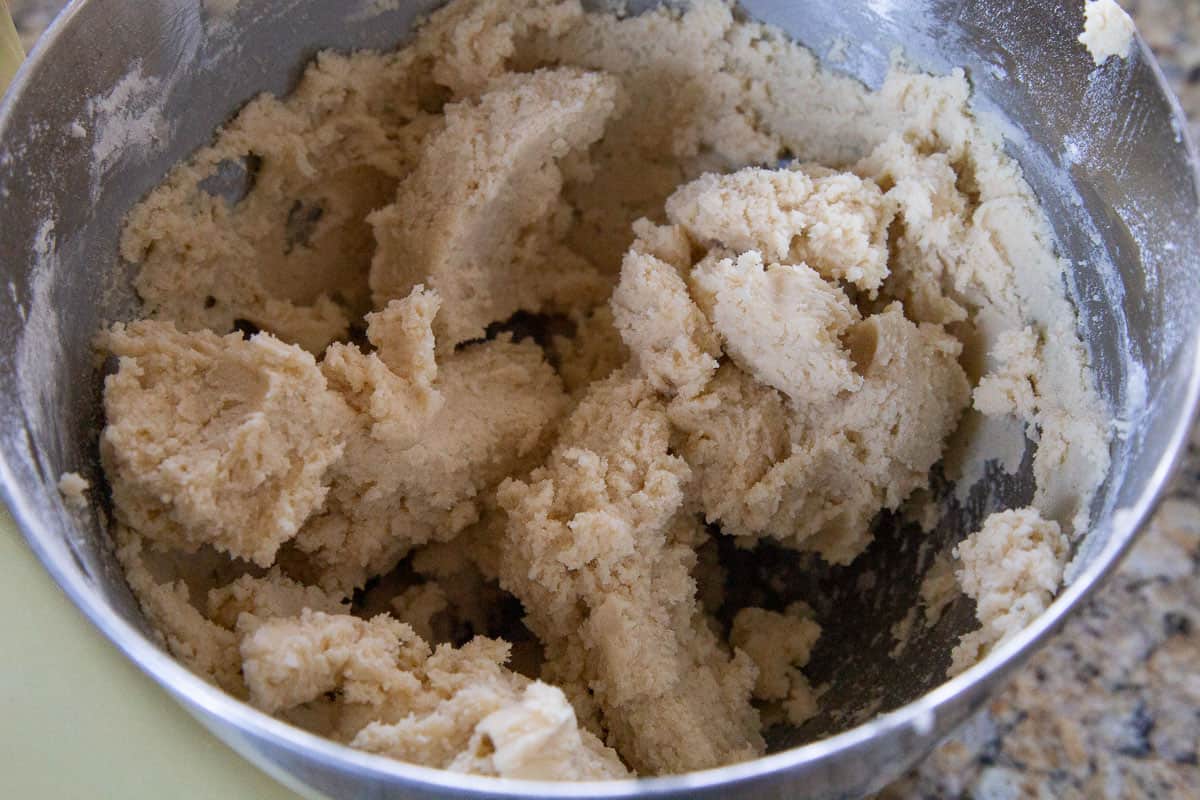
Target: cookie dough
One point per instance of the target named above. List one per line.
(74, 489)
(780, 645)
(1011, 568)
(454, 708)
(458, 361)
(1107, 30)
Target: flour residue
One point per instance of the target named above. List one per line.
(1137, 393)
(129, 119)
(39, 351)
(218, 16)
(370, 9)
(220, 8)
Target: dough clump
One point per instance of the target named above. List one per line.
(1107, 30)
(464, 366)
(1011, 568)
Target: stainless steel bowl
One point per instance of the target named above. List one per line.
(1105, 149)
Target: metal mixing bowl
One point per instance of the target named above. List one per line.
(1105, 149)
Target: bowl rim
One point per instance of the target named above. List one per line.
(197, 695)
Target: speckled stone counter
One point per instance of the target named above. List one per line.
(1111, 707)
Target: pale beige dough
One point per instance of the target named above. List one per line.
(782, 323)
(1011, 568)
(1009, 388)
(332, 517)
(458, 709)
(835, 222)
(217, 440)
(592, 352)
(815, 480)
(669, 338)
(938, 588)
(480, 218)
(1107, 30)
(387, 496)
(393, 390)
(780, 644)
(74, 489)
(599, 548)
(205, 647)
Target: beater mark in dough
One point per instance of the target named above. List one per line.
(479, 218)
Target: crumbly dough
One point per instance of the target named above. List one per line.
(780, 644)
(599, 547)
(480, 217)
(217, 440)
(388, 496)
(74, 488)
(834, 222)
(815, 479)
(1011, 568)
(455, 708)
(459, 360)
(671, 341)
(783, 324)
(1009, 389)
(1107, 30)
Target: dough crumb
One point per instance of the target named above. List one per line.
(74, 489)
(902, 632)
(780, 644)
(1011, 568)
(1107, 30)
(938, 588)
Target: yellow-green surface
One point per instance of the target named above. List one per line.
(79, 721)
(11, 54)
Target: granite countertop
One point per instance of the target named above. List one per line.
(1111, 706)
